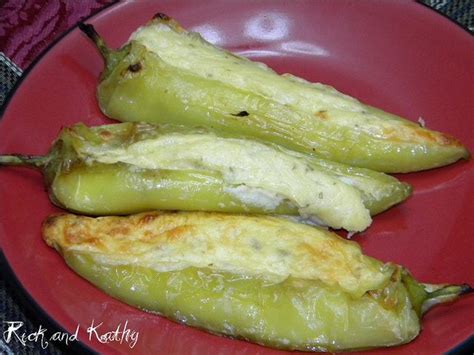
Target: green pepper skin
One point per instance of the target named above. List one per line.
(138, 85)
(94, 188)
(104, 189)
(263, 279)
(287, 315)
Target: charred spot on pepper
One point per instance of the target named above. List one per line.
(161, 16)
(135, 67)
(240, 114)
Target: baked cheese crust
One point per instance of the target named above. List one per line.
(263, 246)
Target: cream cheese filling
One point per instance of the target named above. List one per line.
(188, 51)
(247, 164)
(254, 196)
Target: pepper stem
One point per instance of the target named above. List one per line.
(425, 296)
(23, 160)
(111, 57)
(437, 295)
(90, 32)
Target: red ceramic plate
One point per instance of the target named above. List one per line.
(399, 56)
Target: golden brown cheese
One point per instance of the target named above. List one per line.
(263, 246)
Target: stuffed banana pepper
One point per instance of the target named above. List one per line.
(260, 278)
(131, 167)
(167, 74)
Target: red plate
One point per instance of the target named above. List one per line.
(401, 57)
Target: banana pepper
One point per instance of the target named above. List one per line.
(167, 74)
(134, 167)
(264, 279)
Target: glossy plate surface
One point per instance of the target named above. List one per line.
(401, 57)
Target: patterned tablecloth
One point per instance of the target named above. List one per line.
(27, 28)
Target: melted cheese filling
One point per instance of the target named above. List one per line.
(262, 246)
(247, 165)
(257, 197)
(188, 51)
